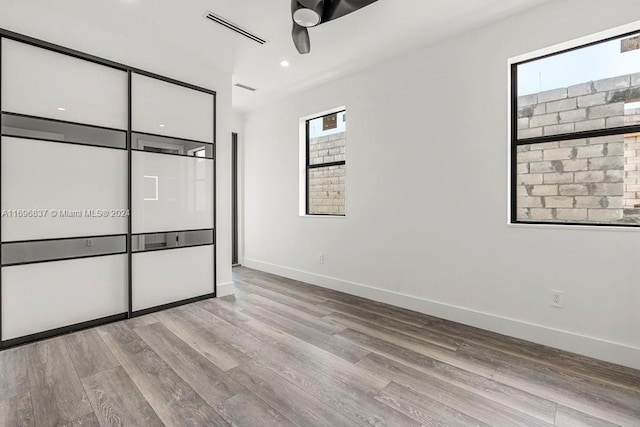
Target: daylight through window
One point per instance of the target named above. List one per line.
(326, 164)
(576, 136)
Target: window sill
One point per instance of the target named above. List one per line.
(321, 216)
(583, 227)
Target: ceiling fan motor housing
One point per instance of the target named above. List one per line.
(307, 17)
(309, 13)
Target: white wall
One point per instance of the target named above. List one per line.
(427, 196)
(54, 23)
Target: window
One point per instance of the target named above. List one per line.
(325, 164)
(575, 135)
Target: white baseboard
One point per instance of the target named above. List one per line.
(224, 289)
(608, 351)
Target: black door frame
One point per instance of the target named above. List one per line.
(234, 198)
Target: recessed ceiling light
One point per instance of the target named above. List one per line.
(62, 109)
(161, 126)
(284, 63)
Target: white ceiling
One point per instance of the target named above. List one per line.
(177, 29)
(376, 33)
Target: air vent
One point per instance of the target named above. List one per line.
(240, 85)
(233, 27)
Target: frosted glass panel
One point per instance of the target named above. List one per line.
(162, 144)
(40, 297)
(159, 241)
(43, 83)
(50, 130)
(164, 108)
(67, 180)
(163, 277)
(171, 193)
(58, 249)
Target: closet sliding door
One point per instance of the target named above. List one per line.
(172, 176)
(108, 186)
(64, 195)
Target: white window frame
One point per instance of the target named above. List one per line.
(574, 43)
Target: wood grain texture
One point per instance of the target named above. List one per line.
(15, 393)
(168, 394)
(293, 314)
(89, 420)
(136, 322)
(203, 337)
(89, 353)
(345, 387)
(290, 291)
(427, 411)
(413, 358)
(323, 375)
(385, 310)
(567, 417)
(385, 327)
(619, 376)
(300, 304)
(258, 340)
(116, 400)
(316, 358)
(16, 411)
(57, 395)
(206, 379)
(225, 312)
(289, 400)
(283, 352)
(309, 367)
(244, 409)
(340, 348)
(574, 392)
(13, 373)
(349, 392)
(419, 379)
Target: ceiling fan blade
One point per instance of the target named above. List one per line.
(301, 39)
(311, 4)
(334, 9)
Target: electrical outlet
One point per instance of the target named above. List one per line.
(556, 299)
(89, 242)
(321, 259)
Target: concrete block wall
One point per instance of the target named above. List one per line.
(587, 106)
(580, 180)
(327, 184)
(572, 181)
(330, 148)
(632, 172)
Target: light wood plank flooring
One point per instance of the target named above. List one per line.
(285, 353)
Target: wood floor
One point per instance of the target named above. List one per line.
(283, 353)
